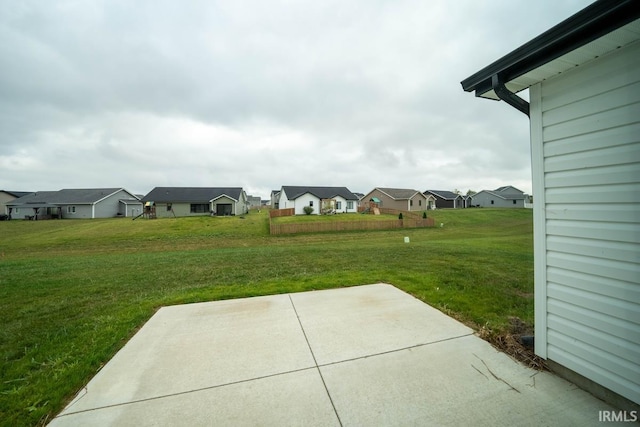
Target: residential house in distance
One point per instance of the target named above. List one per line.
(253, 202)
(7, 196)
(402, 199)
(503, 197)
(321, 199)
(275, 199)
(446, 199)
(466, 200)
(197, 201)
(583, 77)
(76, 204)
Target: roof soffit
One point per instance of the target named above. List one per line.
(600, 28)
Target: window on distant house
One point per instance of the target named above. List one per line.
(169, 206)
(514, 202)
(71, 209)
(199, 207)
(310, 202)
(338, 205)
(419, 202)
(410, 202)
(349, 205)
(492, 202)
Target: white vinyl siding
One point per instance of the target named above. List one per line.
(585, 127)
(108, 206)
(307, 200)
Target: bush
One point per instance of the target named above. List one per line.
(400, 216)
(424, 215)
(308, 210)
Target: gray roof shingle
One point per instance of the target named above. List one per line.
(17, 193)
(66, 196)
(293, 192)
(191, 194)
(443, 194)
(399, 193)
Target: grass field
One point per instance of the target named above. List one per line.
(72, 292)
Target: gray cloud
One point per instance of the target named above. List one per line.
(260, 94)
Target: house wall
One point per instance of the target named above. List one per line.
(109, 206)
(303, 201)
(419, 202)
(242, 205)
(129, 209)
(81, 211)
(236, 208)
(431, 201)
(283, 202)
(585, 136)
(179, 209)
(386, 201)
(484, 199)
(275, 200)
(344, 203)
(4, 199)
(443, 203)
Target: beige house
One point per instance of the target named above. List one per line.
(402, 199)
(7, 196)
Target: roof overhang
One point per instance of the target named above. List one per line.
(221, 196)
(34, 205)
(601, 27)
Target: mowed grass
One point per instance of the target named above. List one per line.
(72, 292)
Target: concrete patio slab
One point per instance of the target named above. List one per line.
(455, 382)
(352, 323)
(195, 346)
(296, 398)
(366, 355)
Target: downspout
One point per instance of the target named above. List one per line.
(507, 96)
(520, 104)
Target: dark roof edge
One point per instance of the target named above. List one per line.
(592, 22)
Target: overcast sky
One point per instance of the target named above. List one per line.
(260, 94)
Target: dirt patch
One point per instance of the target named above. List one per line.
(511, 343)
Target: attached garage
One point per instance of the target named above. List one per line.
(583, 77)
(224, 209)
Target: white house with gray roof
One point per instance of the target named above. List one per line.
(84, 203)
(336, 199)
(197, 201)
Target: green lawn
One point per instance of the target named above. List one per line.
(72, 292)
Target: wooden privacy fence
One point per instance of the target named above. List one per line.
(396, 212)
(317, 227)
(274, 213)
